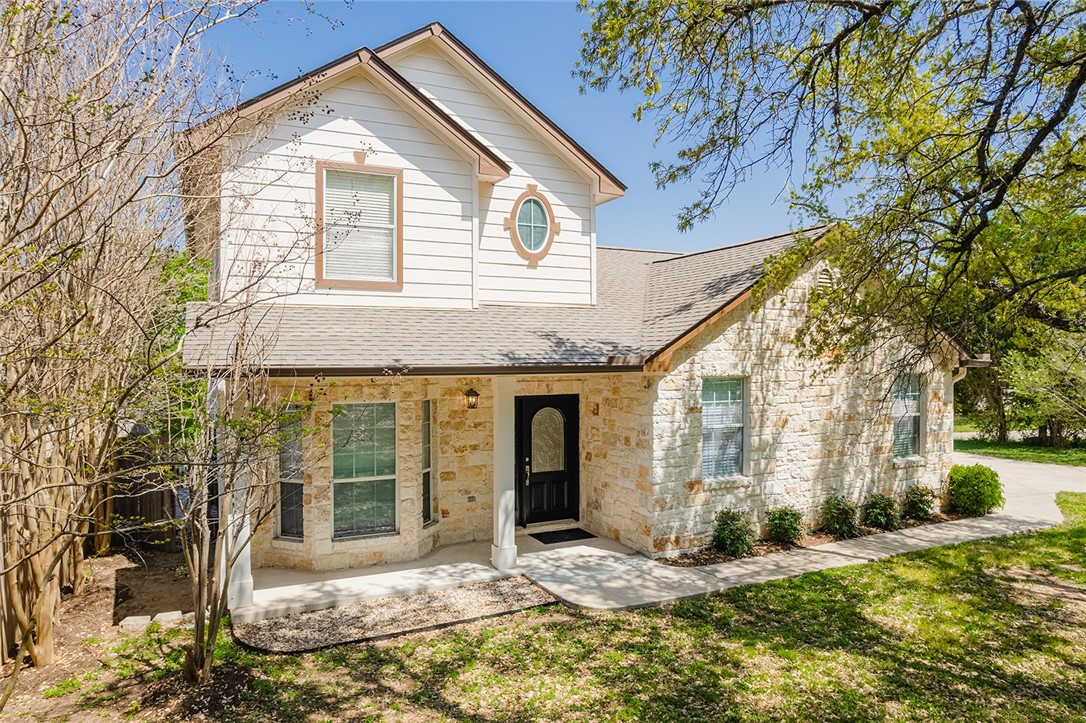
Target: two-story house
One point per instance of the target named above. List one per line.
(422, 244)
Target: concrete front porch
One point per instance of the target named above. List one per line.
(279, 591)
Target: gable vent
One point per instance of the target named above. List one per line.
(825, 279)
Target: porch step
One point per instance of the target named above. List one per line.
(318, 595)
(548, 527)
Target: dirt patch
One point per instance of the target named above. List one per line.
(709, 556)
(117, 586)
(155, 582)
(173, 699)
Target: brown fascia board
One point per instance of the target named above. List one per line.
(628, 364)
(491, 166)
(610, 185)
(660, 360)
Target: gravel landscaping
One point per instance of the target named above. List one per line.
(386, 616)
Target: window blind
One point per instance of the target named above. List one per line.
(359, 225)
(722, 427)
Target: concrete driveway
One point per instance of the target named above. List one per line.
(1029, 487)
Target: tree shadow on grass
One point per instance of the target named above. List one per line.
(955, 652)
(944, 634)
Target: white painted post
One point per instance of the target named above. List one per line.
(503, 553)
(239, 593)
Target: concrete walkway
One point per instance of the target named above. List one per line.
(278, 592)
(606, 581)
(605, 575)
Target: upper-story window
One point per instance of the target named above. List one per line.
(359, 226)
(532, 225)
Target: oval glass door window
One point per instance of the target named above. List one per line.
(548, 441)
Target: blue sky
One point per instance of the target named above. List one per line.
(534, 46)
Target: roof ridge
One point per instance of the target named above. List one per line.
(630, 248)
(763, 239)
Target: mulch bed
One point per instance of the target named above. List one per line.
(709, 556)
(386, 616)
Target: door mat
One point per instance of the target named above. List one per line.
(556, 536)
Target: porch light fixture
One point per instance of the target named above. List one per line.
(473, 398)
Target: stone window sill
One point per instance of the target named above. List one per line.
(370, 536)
(289, 541)
(735, 479)
(906, 462)
(431, 523)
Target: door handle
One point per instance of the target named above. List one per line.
(527, 471)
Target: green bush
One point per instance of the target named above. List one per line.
(839, 517)
(881, 511)
(734, 534)
(975, 490)
(785, 525)
(919, 503)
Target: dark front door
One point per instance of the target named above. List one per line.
(547, 458)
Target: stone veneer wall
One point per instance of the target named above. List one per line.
(616, 451)
(615, 447)
(811, 432)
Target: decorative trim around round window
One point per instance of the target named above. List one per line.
(532, 226)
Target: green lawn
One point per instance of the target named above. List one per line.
(1022, 451)
(965, 424)
(989, 631)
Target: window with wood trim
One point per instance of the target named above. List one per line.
(360, 227)
(363, 469)
(290, 476)
(723, 426)
(532, 225)
(906, 414)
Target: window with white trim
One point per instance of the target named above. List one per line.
(723, 426)
(906, 413)
(290, 475)
(363, 469)
(428, 497)
(359, 226)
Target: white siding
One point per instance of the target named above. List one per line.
(269, 202)
(565, 275)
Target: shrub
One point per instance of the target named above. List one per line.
(785, 525)
(881, 511)
(919, 503)
(839, 517)
(734, 534)
(975, 490)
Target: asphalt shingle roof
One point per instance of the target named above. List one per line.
(645, 300)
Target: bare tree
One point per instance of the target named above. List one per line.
(93, 95)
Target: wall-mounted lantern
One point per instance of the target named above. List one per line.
(472, 398)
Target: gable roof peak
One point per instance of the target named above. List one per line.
(609, 186)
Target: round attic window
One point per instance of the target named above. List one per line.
(531, 226)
